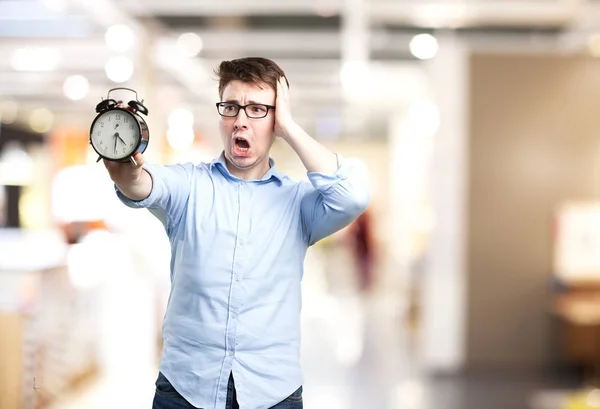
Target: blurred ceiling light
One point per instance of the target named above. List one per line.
(8, 111)
(424, 46)
(181, 118)
(35, 59)
(189, 44)
(76, 87)
(354, 77)
(40, 120)
(424, 117)
(353, 71)
(57, 5)
(119, 38)
(16, 166)
(594, 45)
(119, 69)
(180, 138)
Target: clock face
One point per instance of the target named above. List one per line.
(115, 134)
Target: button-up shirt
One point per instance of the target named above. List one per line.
(237, 254)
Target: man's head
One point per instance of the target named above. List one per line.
(247, 134)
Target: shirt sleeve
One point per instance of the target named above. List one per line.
(334, 201)
(171, 186)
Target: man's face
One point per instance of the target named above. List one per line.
(247, 141)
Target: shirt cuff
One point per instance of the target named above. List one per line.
(154, 172)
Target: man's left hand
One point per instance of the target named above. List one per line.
(284, 122)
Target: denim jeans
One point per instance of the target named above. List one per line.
(166, 397)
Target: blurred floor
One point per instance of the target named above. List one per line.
(355, 354)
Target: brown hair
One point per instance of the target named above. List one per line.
(256, 70)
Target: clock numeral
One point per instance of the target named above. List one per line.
(101, 142)
(131, 126)
(101, 124)
(126, 120)
(131, 145)
(118, 117)
(105, 148)
(99, 133)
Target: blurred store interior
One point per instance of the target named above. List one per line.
(471, 282)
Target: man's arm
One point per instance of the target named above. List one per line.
(340, 189)
(336, 200)
(164, 190)
(314, 156)
(132, 180)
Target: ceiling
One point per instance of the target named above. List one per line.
(310, 39)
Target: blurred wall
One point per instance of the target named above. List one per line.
(534, 142)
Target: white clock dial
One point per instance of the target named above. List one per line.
(115, 134)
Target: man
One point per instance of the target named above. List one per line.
(239, 231)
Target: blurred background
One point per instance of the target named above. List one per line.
(473, 279)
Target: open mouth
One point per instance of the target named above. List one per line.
(241, 145)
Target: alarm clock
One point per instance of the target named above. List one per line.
(118, 132)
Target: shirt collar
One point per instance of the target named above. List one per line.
(220, 164)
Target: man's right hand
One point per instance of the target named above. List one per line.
(132, 180)
(125, 173)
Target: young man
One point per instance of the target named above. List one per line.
(239, 231)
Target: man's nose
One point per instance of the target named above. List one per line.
(241, 120)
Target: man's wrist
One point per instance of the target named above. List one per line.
(291, 132)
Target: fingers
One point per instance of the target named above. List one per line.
(284, 85)
(282, 88)
(115, 167)
(284, 82)
(139, 159)
(110, 165)
(279, 90)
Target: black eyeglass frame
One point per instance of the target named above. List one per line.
(244, 108)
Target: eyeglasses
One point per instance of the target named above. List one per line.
(255, 111)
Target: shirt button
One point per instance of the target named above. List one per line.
(241, 242)
(237, 278)
(234, 316)
(230, 353)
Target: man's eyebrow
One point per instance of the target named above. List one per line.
(233, 100)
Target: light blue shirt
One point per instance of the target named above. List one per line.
(237, 255)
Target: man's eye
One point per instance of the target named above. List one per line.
(229, 107)
(258, 109)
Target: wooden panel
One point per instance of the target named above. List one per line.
(11, 361)
(533, 146)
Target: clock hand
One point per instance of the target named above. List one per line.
(121, 139)
(116, 140)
